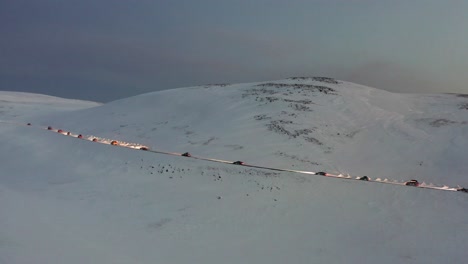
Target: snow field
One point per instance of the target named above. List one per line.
(64, 200)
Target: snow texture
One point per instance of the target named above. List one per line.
(64, 200)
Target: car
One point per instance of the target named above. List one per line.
(143, 148)
(68, 133)
(412, 183)
(80, 136)
(364, 178)
(114, 143)
(186, 154)
(94, 139)
(60, 131)
(29, 124)
(321, 173)
(238, 162)
(49, 128)
(462, 190)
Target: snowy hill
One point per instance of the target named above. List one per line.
(16, 105)
(64, 200)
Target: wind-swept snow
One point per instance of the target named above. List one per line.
(64, 200)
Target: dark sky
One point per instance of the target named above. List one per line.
(110, 49)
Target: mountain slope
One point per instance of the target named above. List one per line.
(18, 106)
(64, 200)
(313, 124)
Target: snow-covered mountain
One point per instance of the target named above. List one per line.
(64, 200)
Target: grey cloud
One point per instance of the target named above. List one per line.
(397, 78)
(104, 50)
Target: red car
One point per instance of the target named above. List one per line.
(412, 183)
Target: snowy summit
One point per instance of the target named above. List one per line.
(66, 200)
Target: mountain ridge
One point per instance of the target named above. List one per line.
(326, 124)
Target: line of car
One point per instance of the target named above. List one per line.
(414, 183)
